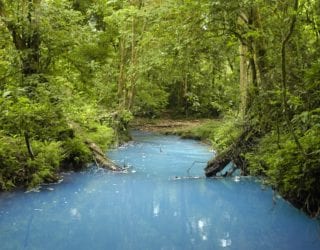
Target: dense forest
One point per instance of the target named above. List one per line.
(78, 71)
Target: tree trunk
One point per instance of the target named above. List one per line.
(101, 159)
(243, 79)
(258, 50)
(28, 145)
(185, 94)
(132, 87)
(121, 78)
(284, 79)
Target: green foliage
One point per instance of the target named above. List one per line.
(100, 134)
(151, 101)
(46, 164)
(220, 133)
(16, 168)
(85, 128)
(40, 118)
(76, 154)
(203, 132)
(293, 173)
(225, 134)
(120, 123)
(12, 157)
(124, 116)
(59, 102)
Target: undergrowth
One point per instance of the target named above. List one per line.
(67, 152)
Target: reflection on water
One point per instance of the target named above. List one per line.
(75, 213)
(155, 206)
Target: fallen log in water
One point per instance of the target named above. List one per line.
(101, 159)
(218, 163)
(234, 153)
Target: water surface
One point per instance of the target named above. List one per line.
(164, 202)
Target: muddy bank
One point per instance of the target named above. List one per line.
(166, 126)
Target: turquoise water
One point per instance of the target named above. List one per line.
(163, 202)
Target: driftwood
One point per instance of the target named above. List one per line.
(101, 159)
(241, 145)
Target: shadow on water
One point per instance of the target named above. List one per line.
(164, 202)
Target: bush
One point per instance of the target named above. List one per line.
(76, 153)
(12, 156)
(46, 164)
(202, 132)
(295, 174)
(220, 133)
(225, 134)
(18, 169)
(101, 135)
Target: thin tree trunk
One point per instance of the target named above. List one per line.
(185, 92)
(121, 78)
(243, 79)
(286, 110)
(258, 50)
(28, 144)
(131, 91)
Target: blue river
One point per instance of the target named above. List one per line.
(163, 202)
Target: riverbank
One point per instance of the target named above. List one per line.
(197, 129)
(217, 132)
(70, 149)
(166, 125)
